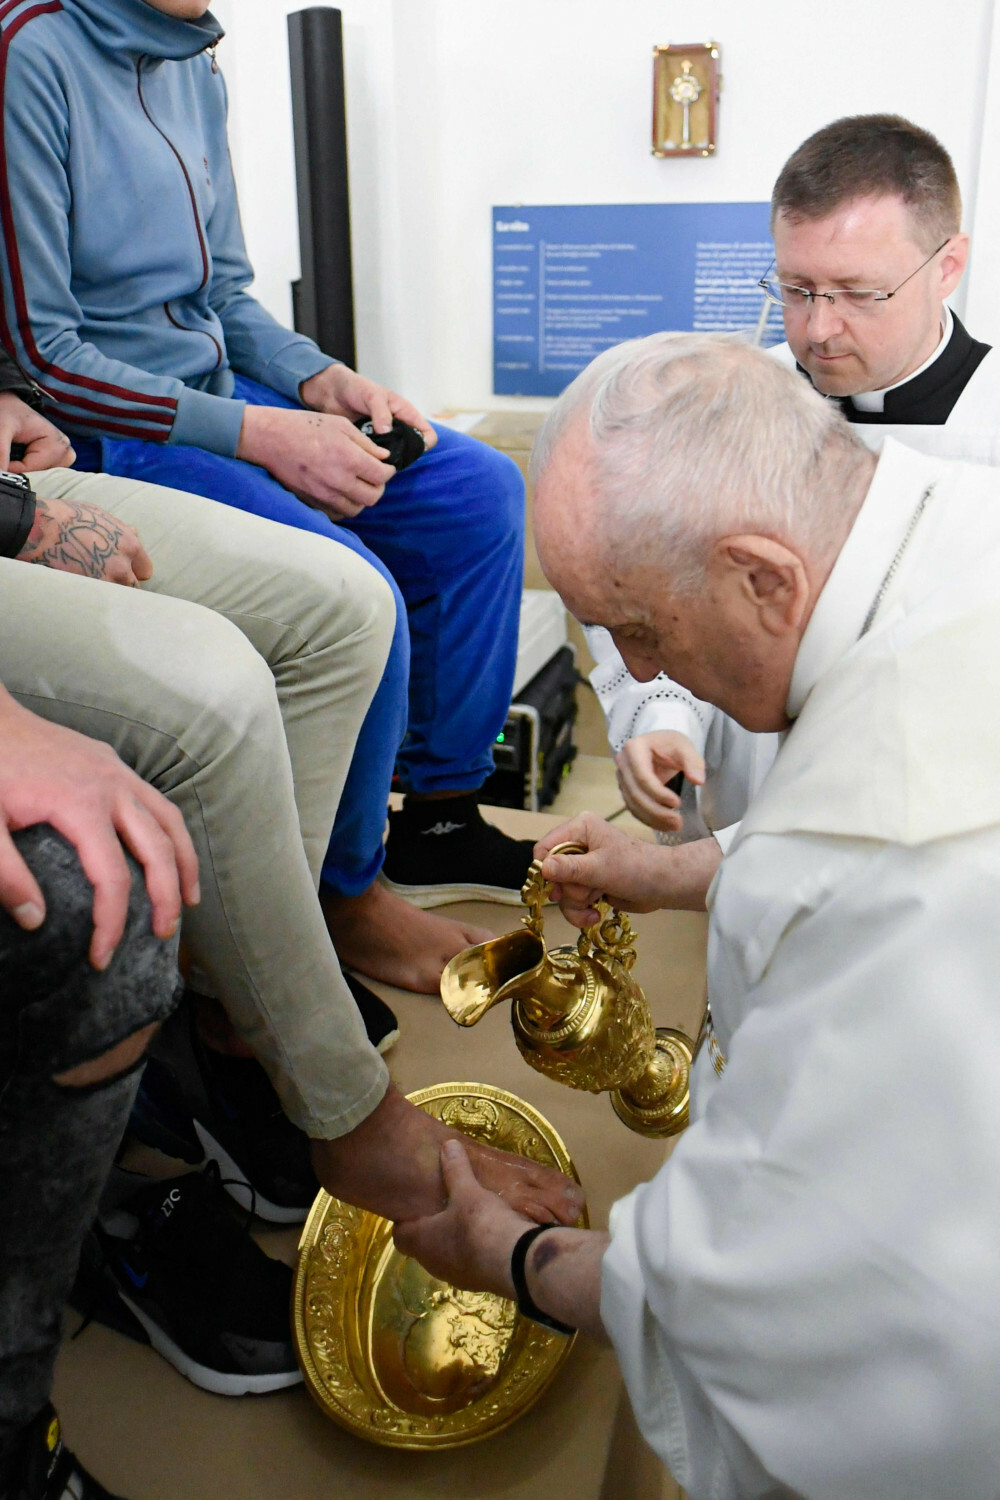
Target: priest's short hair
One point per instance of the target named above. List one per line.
(872, 156)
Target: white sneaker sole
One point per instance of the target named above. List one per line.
(234, 1180)
(429, 896)
(209, 1380)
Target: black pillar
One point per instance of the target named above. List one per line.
(323, 299)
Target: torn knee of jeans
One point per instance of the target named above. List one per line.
(98, 1084)
(109, 1066)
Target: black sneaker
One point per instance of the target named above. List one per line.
(195, 1103)
(380, 1022)
(39, 1466)
(169, 1265)
(445, 850)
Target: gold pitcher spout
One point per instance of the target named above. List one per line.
(478, 978)
(578, 1014)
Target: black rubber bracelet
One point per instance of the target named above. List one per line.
(525, 1302)
(17, 513)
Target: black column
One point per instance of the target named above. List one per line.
(323, 299)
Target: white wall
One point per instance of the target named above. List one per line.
(454, 105)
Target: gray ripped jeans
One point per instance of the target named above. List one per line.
(57, 1143)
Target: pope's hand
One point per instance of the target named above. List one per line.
(616, 866)
(645, 764)
(469, 1243)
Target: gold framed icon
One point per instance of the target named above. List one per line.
(686, 84)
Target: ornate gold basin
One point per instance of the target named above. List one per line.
(396, 1356)
(578, 1014)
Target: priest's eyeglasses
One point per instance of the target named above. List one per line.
(846, 299)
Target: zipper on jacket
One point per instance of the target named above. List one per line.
(180, 162)
(194, 210)
(204, 331)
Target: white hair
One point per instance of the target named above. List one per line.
(696, 437)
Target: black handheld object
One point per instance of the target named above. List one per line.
(405, 443)
(17, 512)
(17, 452)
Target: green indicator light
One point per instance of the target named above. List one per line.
(501, 737)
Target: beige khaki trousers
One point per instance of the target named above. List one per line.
(235, 682)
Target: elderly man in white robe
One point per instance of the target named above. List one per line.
(805, 1300)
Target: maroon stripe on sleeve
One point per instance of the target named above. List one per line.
(65, 399)
(71, 377)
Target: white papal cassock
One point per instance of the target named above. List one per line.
(806, 1298)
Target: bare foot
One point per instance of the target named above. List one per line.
(391, 1164)
(384, 937)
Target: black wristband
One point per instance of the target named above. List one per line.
(17, 512)
(526, 1305)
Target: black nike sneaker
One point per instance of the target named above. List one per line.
(39, 1466)
(441, 851)
(168, 1264)
(194, 1102)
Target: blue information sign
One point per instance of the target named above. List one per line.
(568, 281)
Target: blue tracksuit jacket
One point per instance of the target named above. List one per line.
(124, 296)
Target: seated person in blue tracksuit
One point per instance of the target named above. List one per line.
(124, 279)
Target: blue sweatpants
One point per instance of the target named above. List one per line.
(448, 535)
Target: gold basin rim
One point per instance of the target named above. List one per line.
(497, 1413)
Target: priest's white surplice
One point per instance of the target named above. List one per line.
(806, 1299)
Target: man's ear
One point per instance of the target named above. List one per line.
(953, 264)
(769, 579)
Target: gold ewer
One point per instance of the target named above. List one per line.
(578, 1015)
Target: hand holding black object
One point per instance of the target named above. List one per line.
(405, 443)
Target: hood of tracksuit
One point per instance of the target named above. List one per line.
(134, 29)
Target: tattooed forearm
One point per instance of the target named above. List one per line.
(75, 537)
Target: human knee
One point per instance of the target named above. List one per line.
(504, 483)
(359, 602)
(64, 936)
(116, 1063)
(59, 1013)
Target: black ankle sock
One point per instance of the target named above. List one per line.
(425, 813)
(243, 1083)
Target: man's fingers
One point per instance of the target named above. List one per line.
(379, 410)
(371, 448)
(456, 1169)
(644, 778)
(143, 836)
(172, 823)
(572, 869)
(104, 865)
(585, 828)
(407, 412)
(20, 894)
(142, 563)
(691, 764)
(7, 429)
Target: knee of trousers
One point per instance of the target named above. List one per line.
(501, 483)
(57, 1010)
(345, 603)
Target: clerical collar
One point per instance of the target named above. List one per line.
(838, 619)
(875, 400)
(928, 396)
